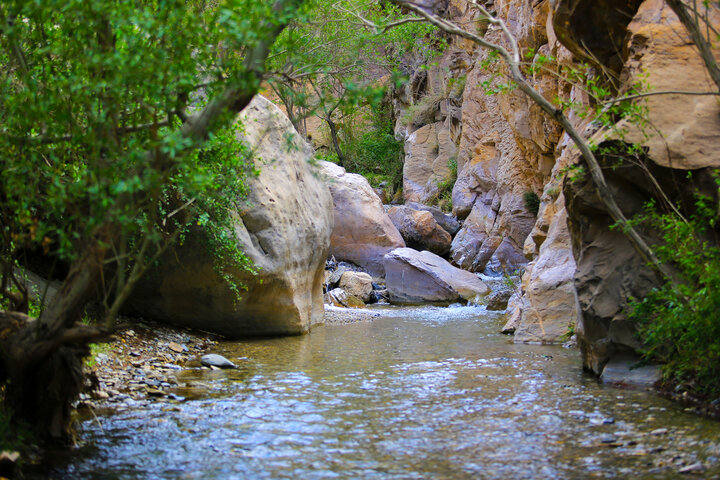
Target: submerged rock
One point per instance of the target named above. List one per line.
(215, 360)
(420, 277)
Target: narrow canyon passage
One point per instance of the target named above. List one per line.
(420, 392)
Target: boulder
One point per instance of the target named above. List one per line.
(498, 300)
(420, 230)
(363, 232)
(340, 298)
(449, 223)
(506, 258)
(358, 284)
(285, 231)
(466, 249)
(423, 277)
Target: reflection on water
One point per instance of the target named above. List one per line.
(420, 393)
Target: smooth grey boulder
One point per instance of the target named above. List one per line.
(284, 228)
(422, 277)
(215, 360)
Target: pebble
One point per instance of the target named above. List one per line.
(659, 431)
(608, 439)
(694, 468)
(176, 347)
(215, 360)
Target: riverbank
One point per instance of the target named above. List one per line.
(142, 361)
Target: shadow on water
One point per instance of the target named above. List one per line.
(417, 393)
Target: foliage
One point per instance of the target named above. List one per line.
(423, 111)
(14, 435)
(532, 202)
(371, 148)
(678, 320)
(94, 97)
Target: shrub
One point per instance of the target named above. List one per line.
(532, 202)
(370, 149)
(423, 111)
(678, 321)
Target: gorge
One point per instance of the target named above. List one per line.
(475, 312)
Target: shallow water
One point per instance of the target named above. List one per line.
(417, 394)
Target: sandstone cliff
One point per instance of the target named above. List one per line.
(579, 269)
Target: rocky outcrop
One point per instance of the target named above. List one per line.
(549, 308)
(422, 277)
(285, 232)
(609, 271)
(420, 230)
(363, 232)
(428, 151)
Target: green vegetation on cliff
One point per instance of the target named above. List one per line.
(679, 320)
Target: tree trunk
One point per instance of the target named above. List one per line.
(335, 141)
(41, 360)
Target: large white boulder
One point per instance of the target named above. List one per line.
(285, 231)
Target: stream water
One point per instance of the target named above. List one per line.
(420, 393)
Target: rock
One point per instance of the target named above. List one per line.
(420, 230)
(176, 347)
(8, 463)
(358, 284)
(363, 232)
(625, 372)
(608, 439)
(340, 298)
(467, 249)
(498, 300)
(285, 232)
(334, 277)
(659, 431)
(100, 395)
(507, 258)
(514, 315)
(696, 468)
(215, 360)
(419, 277)
(449, 223)
(428, 151)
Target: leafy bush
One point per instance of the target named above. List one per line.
(371, 149)
(679, 321)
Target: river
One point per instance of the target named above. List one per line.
(419, 393)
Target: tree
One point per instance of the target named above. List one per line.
(113, 117)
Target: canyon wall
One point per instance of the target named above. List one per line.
(577, 273)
